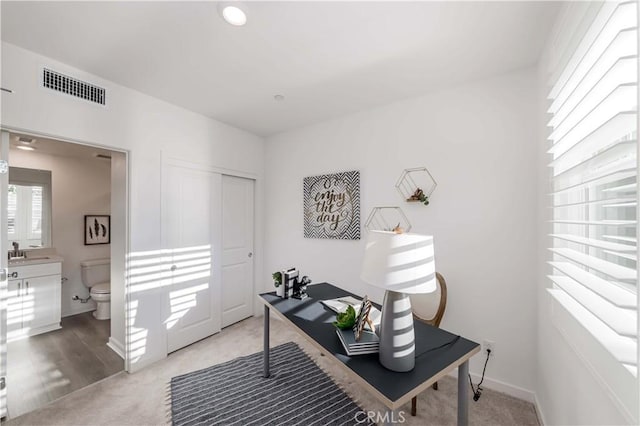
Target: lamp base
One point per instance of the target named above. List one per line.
(397, 339)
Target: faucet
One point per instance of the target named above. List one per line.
(16, 250)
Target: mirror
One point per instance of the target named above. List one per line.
(29, 208)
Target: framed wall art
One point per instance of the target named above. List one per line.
(97, 229)
(332, 206)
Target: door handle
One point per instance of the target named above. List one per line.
(250, 254)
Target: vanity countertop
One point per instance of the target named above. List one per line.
(35, 260)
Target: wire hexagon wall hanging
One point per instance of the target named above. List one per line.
(416, 184)
(386, 219)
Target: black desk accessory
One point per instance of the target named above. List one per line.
(294, 287)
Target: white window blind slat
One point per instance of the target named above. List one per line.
(631, 187)
(623, 72)
(620, 100)
(595, 202)
(566, 60)
(604, 29)
(592, 242)
(611, 269)
(591, 157)
(622, 255)
(633, 240)
(621, 347)
(616, 205)
(603, 179)
(619, 156)
(594, 222)
(618, 129)
(613, 293)
(622, 321)
(624, 45)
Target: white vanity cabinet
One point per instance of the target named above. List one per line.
(34, 299)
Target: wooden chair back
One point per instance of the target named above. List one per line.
(429, 308)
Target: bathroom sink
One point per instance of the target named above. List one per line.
(34, 260)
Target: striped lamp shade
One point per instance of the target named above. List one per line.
(403, 263)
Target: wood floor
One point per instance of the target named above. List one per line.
(43, 368)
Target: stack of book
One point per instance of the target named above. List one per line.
(368, 343)
(340, 305)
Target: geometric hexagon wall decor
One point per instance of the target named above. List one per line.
(416, 184)
(386, 219)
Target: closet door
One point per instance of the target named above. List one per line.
(238, 295)
(191, 234)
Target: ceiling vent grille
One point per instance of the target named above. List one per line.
(71, 86)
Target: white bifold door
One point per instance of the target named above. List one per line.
(195, 219)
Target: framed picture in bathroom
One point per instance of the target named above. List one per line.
(97, 229)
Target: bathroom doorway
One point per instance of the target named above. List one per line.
(62, 228)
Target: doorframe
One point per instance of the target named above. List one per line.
(4, 268)
(127, 215)
(257, 221)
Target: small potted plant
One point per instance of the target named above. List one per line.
(277, 282)
(419, 195)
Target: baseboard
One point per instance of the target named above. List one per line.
(506, 388)
(541, 418)
(498, 386)
(79, 311)
(116, 346)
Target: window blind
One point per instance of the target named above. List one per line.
(593, 146)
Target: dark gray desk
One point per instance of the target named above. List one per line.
(437, 351)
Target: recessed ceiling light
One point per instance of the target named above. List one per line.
(279, 98)
(26, 148)
(234, 15)
(26, 141)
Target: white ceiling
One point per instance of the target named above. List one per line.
(57, 148)
(327, 58)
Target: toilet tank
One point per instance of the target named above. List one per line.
(95, 271)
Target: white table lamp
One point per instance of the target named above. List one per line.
(402, 264)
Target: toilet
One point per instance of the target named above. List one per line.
(96, 276)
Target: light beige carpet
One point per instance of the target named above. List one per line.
(140, 398)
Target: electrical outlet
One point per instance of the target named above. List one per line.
(488, 345)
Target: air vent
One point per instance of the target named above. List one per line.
(71, 86)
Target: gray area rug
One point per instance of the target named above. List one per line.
(235, 393)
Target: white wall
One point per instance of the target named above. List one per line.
(148, 129)
(574, 383)
(478, 141)
(78, 187)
